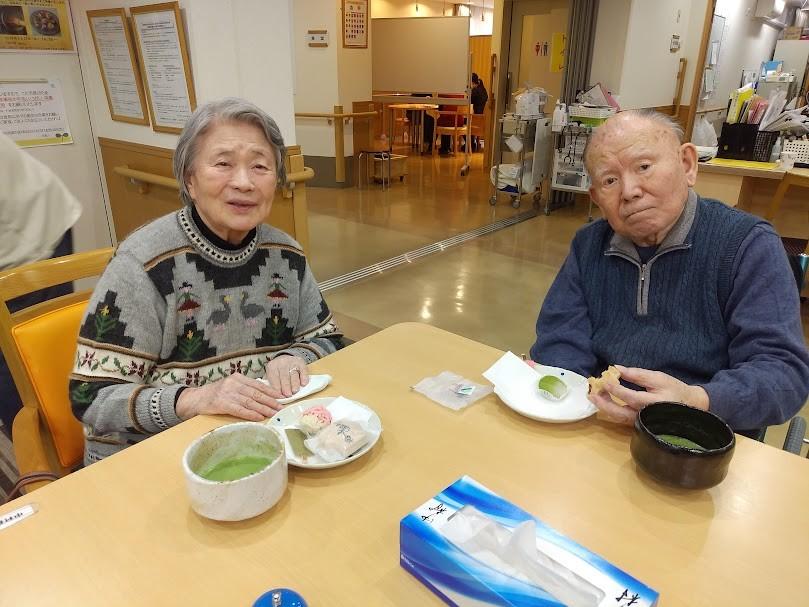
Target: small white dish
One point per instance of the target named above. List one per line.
(315, 385)
(288, 418)
(528, 401)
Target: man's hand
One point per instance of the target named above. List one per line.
(659, 387)
(235, 395)
(287, 373)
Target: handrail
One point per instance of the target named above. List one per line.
(334, 115)
(143, 179)
(299, 176)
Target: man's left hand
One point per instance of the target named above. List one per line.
(659, 387)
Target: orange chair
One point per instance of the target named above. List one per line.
(39, 344)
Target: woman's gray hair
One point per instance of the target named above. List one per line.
(229, 109)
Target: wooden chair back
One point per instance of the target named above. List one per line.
(39, 345)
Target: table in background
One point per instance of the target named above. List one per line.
(121, 532)
(731, 185)
(419, 109)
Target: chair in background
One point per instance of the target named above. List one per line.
(450, 122)
(479, 129)
(401, 126)
(39, 344)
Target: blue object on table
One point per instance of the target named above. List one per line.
(280, 597)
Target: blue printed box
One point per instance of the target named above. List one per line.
(463, 580)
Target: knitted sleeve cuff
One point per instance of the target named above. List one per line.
(154, 409)
(308, 352)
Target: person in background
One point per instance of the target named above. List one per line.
(693, 300)
(37, 212)
(479, 97)
(199, 305)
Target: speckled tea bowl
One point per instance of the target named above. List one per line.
(246, 495)
(682, 466)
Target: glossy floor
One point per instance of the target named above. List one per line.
(489, 289)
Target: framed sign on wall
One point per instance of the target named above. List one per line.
(119, 69)
(355, 23)
(163, 54)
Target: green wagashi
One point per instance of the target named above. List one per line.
(296, 438)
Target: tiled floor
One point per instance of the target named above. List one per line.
(489, 289)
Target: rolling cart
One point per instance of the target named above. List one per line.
(525, 142)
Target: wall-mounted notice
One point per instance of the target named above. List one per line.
(119, 70)
(164, 56)
(355, 23)
(35, 25)
(32, 112)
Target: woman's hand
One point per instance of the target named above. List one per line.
(235, 395)
(287, 373)
(659, 387)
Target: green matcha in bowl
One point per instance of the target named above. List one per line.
(681, 445)
(235, 472)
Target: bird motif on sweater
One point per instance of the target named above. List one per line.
(219, 317)
(250, 311)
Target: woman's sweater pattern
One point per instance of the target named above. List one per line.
(173, 310)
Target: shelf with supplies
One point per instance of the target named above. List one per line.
(523, 158)
(569, 174)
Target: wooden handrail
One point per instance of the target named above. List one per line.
(334, 115)
(305, 175)
(143, 179)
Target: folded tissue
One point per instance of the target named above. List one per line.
(472, 547)
(515, 553)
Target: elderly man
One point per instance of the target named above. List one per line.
(692, 300)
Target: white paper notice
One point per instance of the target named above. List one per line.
(33, 113)
(163, 64)
(113, 52)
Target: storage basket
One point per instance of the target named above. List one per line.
(801, 150)
(590, 116)
(745, 142)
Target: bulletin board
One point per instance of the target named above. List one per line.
(420, 54)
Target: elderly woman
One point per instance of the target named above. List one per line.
(197, 305)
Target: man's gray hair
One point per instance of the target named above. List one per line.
(229, 109)
(663, 120)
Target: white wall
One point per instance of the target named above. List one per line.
(354, 81)
(316, 74)
(696, 19)
(75, 163)
(746, 43)
(407, 8)
(608, 48)
(649, 69)
(231, 53)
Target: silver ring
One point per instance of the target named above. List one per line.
(294, 370)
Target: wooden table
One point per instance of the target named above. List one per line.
(417, 141)
(121, 532)
(731, 185)
(794, 177)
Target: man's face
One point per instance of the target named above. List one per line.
(640, 175)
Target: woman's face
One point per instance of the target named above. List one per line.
(233, 179)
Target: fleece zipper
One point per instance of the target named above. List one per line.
(644, 273)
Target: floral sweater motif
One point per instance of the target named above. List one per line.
(174, 310)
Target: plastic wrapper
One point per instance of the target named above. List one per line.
(451, 390)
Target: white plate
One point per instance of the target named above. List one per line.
(315, 385)
(527, 400)
(288, 418)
